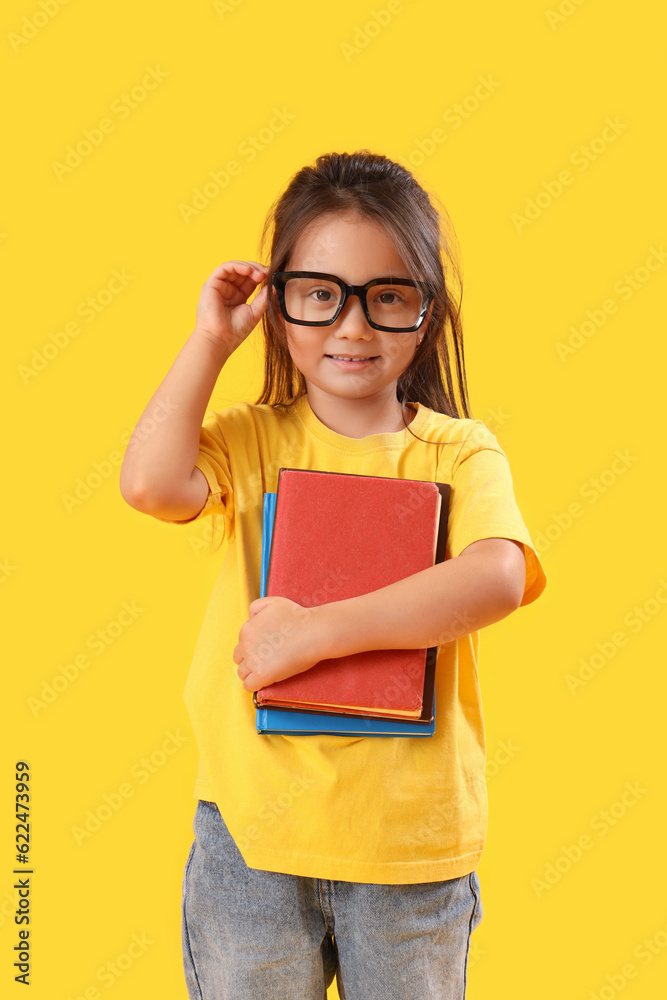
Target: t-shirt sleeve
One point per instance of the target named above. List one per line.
(483, 505)
(213, 461)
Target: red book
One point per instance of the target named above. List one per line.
(337, 536)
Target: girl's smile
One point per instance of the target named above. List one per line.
(352, 363)
(351, 369)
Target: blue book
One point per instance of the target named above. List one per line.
(284, 721)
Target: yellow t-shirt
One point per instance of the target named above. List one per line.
(391, 810)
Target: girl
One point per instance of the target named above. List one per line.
(318, 856)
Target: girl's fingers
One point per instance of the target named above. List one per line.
(244, 276)
(260, 302)
(237, 269)
(247, 286)
(234, 282)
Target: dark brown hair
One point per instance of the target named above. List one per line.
(378, 189)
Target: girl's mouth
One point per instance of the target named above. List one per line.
(353, 362)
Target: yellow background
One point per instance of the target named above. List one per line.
(67, 572)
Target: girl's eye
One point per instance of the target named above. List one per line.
(318, 294)
(388, 298)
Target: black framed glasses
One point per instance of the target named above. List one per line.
(311, 298)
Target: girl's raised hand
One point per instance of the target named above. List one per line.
(223, 313)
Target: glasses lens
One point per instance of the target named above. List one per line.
(394, 305)
(313, 300)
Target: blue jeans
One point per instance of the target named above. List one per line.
(255, 935)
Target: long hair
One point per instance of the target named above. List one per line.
(378, 189)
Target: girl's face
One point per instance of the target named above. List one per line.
(355, 250)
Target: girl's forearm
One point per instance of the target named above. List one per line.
(161, 454)
(435, 606)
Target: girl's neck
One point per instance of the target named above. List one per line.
(358, 418)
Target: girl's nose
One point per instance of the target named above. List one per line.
(352, 321)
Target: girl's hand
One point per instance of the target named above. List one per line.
(280, 639)
(223, 314)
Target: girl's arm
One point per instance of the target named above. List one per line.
(482, 585)
(158, 475)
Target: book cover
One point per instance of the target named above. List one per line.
(291, 721)
(339, 535)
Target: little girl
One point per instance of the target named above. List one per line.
(318, 855)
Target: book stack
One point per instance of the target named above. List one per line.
(329, 537)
